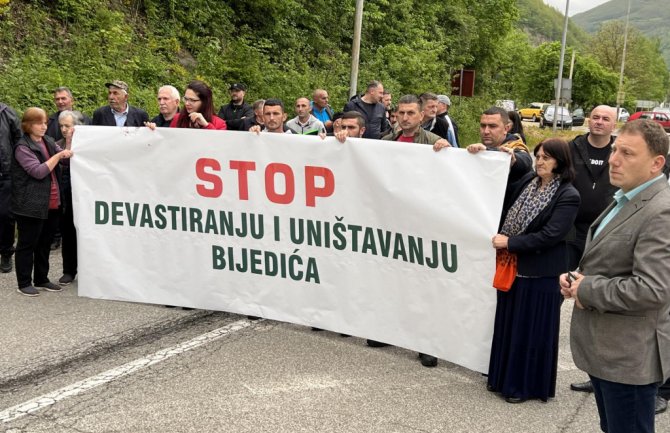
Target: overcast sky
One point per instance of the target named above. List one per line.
(576, 6)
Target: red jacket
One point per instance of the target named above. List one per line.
(216, 123)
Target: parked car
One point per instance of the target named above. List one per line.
(578, 117)
(507, 104)
(563, 118)
(657, 116)
(624, 115)
(533, 111)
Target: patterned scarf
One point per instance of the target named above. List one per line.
(528, 206)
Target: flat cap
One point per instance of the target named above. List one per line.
(444, 99)
(118, 83)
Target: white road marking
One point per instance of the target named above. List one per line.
(47, 400)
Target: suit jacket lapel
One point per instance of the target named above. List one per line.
(109, 115)
(628, 210)
(130, 117)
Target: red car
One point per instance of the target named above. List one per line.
(657, 116)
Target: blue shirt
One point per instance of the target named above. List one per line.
(621, 199)
(322, 114)
(121, 117)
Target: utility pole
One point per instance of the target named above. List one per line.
(620, 94)
(560, 64)
(572, 63)
(356, 48)
(572, 66)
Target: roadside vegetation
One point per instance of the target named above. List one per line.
(288, 48)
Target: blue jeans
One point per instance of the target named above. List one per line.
(625, 408)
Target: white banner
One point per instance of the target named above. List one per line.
(383, 240)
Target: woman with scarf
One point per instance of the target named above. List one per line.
(536, 219)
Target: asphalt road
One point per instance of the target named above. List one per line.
(100, 366)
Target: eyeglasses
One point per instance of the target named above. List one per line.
(191, 100)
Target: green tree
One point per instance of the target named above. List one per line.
(646, 74)
(592, 84)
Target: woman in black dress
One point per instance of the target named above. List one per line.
(536, 219)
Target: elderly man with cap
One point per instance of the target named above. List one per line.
(119, 112)
(236, 110)
(443, 104)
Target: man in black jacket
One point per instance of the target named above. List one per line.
(371, 107)
(63, 100)
(236, 110)
(432, 123)
(443, 105)
(119, 112)
(590, 155)
(10, 133)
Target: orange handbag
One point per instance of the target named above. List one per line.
(505, 270)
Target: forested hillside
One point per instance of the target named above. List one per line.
(278, 48)
(651, 17)
(543, 23)
(288, 48)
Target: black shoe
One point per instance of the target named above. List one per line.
(5, 264)
(373, 343)
(582, 386)
(28, 291)
(514, 400)
(661, 405)
(427, 360)
(65, 279)
(490, 388)
(49, 287)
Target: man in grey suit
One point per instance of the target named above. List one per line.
(620, 330)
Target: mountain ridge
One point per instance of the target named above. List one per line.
(645, 15)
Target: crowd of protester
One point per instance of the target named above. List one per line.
(36, 149)
(544, 229)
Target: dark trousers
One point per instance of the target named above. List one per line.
(69, 233)
(625, 408)
(664, 390)
(33, 248)
(7, 226)
(7, 232)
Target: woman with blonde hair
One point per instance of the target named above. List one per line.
(36, 200)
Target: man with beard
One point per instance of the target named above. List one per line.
(274, 117)
(236, 110)
(432, 123)
(371, 107)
